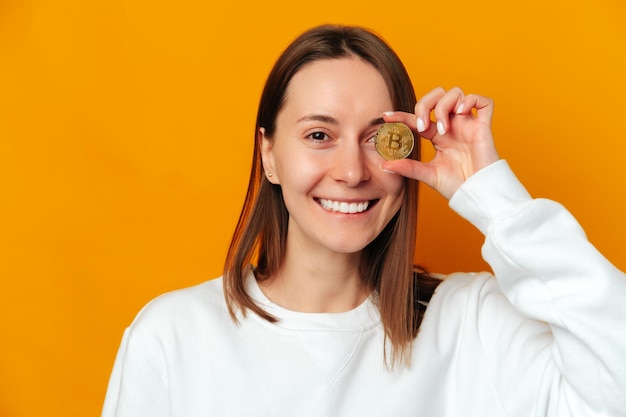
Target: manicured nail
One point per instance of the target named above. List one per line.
(440, 128)
(388, 113)
(420, 125)
(386, 170)
(459, 110)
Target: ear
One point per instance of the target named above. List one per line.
(267, 156)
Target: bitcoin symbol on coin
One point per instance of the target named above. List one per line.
(394, 141)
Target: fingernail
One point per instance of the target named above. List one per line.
(386, 170)
(459, 110)
(388, 113)
(440, 128)
(420, 125)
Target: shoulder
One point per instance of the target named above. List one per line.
(461, 285)
(181, 310)
(462, 293)
(186, 300)
(475, 304)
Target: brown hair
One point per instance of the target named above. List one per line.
(260, 236)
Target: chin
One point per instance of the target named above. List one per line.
(349, 245)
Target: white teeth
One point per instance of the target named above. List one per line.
(344, 207)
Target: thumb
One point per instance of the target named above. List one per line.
(411, 168)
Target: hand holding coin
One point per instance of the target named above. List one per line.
(394, 141)
(459, 128)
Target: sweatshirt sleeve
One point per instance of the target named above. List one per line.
(136, 388)
(549, 272)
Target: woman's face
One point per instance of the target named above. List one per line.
(323, 156)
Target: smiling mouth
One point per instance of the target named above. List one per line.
(346, 207)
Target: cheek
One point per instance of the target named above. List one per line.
(394, 184)
(396, 192)
(296, 172)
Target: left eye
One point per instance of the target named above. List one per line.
(318, 136)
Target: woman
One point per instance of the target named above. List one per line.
(326, 322)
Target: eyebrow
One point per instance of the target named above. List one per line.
(318, 118)
(331, 120)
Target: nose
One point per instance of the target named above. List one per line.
(350, 164)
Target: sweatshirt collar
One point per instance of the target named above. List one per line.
(363, 317)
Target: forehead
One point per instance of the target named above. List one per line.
(339, 84)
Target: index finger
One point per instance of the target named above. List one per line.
(409, 120)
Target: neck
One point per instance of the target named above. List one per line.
(321, 282)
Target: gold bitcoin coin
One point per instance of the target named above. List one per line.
(394, 141)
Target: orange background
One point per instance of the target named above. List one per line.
(126, 137)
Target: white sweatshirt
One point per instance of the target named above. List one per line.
(544, 336)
